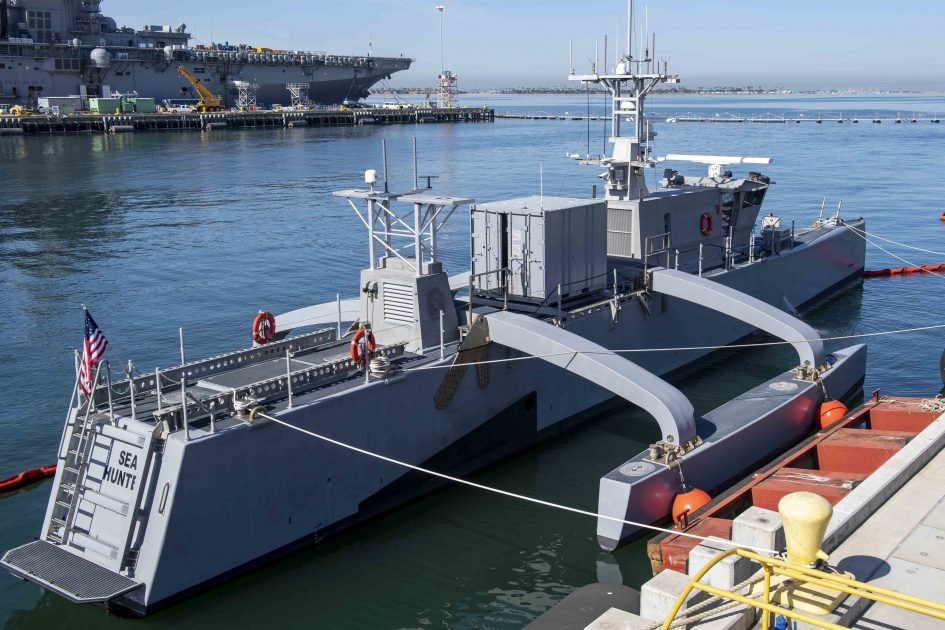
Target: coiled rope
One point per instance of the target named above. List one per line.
(936, 404)
(505, 493)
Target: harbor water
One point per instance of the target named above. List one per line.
(164, 230)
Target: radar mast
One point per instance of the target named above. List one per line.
(633, 78)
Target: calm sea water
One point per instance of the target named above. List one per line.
(156, 231)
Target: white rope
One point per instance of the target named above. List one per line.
(759, 344)
(886, 251)
(505, 493)
(889, 240)
(936, 404)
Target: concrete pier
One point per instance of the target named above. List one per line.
(889, 531)
(117, 123)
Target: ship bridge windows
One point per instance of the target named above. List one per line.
(68, 64)
(753, 197)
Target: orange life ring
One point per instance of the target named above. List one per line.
(264, 328)
(705, 224)
(942, 217)
(356, 348)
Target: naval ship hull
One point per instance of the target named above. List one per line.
(221, 514)
(160, 79)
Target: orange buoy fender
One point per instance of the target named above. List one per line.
(705, 224)
(830, 412)
(686, 502)
(264, 328)
(357, 351)
(942, 217)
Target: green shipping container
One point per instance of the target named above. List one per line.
(127, 107)
(145, 106)
(104, 105)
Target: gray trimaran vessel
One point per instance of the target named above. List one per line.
(134, 516)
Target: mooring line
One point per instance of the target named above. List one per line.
(735, 346)
(886, 251)
(506, 493)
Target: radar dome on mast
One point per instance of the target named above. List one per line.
(101, 58)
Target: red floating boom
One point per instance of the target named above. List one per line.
(902, 271)
(26, 477)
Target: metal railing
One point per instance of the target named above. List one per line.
(503, 277)
(773, 567)
(655, 247)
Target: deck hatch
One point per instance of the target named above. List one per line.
(65, 573)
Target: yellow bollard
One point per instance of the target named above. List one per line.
(805, 516)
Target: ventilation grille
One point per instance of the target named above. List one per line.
(398, 302)
(619, 232)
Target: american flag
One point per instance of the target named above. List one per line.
(92, 350)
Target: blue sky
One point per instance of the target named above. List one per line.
(494, 43)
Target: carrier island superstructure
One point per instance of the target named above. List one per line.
(173, 480)
(67, 47)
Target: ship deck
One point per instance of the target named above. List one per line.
(318, 365)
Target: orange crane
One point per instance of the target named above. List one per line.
(209, 102)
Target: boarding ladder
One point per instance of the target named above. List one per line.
(73, 460)
(91, 515)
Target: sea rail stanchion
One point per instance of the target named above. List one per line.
(108, 383)
(183, 404)
(131, 389)
(157, 388)
(288, 374)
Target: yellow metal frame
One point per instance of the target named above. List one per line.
(778, 567)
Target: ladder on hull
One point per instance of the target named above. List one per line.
(73, 460)
(99, 497)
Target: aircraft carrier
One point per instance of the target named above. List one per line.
(68, 47)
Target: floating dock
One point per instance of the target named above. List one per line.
(735, 118)
(816, 118)
(887, 529)
(122, 123)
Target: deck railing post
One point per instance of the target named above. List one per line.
(338, 301)
(751, 247)
(677, 259)
(700, 260)
(157, 388)
(183, 405)
(131, 389)
(288, 374)
(365, 349)
(559, 305)
(470, 320)
(180, 332)
(108, 383)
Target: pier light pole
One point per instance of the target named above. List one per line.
(441, 8)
